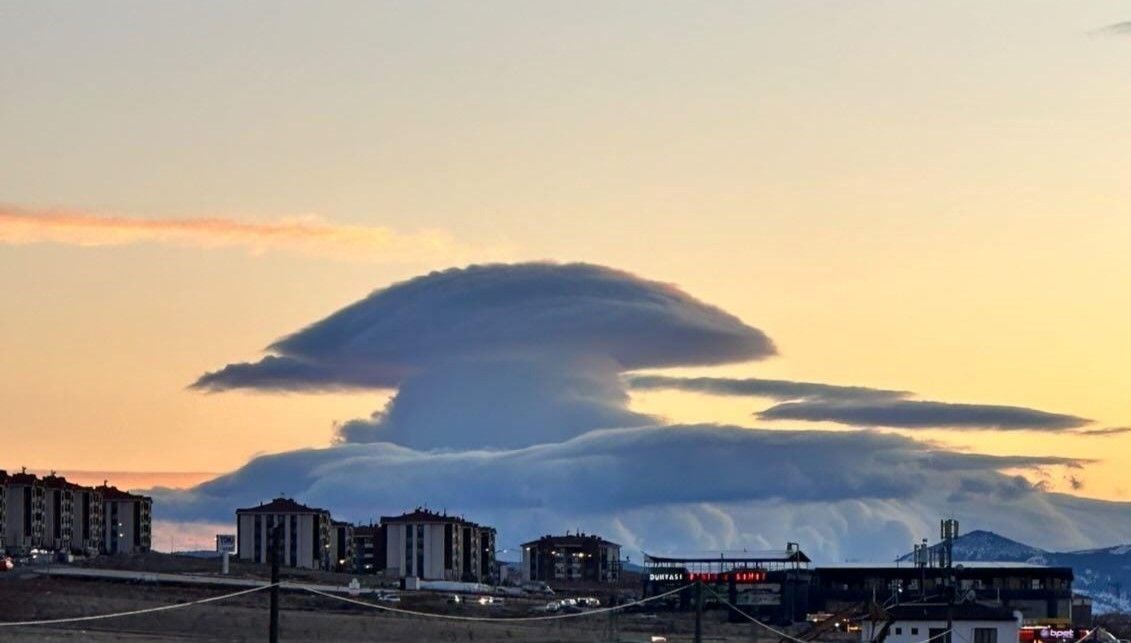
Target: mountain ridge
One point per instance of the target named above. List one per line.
(1102, 573)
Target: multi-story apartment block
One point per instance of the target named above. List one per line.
(341, 546)
(305, 534)
(127, 523)
(25, 508)
(88, 528)
(369, 548)
(577, 557)
(431, 546)
(59, 513)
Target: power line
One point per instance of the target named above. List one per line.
(149, 610)
(787, 636)
(495, 619)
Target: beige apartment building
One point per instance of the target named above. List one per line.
(305, 534)
(127, 523)
(432, 546)
(24, 513)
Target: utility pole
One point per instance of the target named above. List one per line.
(698, 611)
(276, 541)
(948, 529)
(922, 558)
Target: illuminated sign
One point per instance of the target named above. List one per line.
(679, 575)
(737, 576)
(1049, 634)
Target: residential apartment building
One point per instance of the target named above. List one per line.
(58, 512)
(577, 557)
(127, 523)
(341, 546)
(432, 546)
(25, 507)
(88, 528)
(369, 548)
(305, 534)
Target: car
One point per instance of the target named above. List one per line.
(588, 601)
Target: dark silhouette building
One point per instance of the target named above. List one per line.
(577, 557)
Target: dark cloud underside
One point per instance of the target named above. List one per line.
(754, 387)
(922, 414)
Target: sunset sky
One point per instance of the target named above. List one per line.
(926, 197)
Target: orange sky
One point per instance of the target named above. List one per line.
(930, 198)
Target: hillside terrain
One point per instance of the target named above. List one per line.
(1104, 574)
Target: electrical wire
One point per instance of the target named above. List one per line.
(149, 610)
(495, 619)
(788, 636)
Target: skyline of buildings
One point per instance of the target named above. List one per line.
(53, 514)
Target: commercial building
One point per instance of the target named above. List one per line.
(25, 508)
(433, 546)
(127, 523)
(1043, 595)
(304, 532)
(771, 585)
(917, 622)
(571, 558)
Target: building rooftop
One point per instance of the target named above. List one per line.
(23, 478)
(568, 540)
(110, 492)
(742, 556)
(57, 482)
(281, 506)
(424, 515)
(973, 564)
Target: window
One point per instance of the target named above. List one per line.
(408, 550)
(294, 540)
(899, 631)
(985, 635)
(914, 631)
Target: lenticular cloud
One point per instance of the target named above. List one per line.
(499, 355)
(511, 404)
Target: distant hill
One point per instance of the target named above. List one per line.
(1104, 574)
(981, 545)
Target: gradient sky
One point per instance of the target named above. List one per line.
(931, 197)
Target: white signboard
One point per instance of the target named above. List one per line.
(225, 543)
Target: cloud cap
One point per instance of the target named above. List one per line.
(519, 310)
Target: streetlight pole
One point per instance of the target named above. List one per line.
(276, 540)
